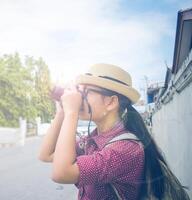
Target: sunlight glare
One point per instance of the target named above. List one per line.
(62, 77)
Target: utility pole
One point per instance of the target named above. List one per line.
(144, 89)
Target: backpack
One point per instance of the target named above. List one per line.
(174, 191)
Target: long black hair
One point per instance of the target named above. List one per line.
(158, 180)
(134, 123)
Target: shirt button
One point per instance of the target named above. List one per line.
(81, 191)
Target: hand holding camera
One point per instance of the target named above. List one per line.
(68, 98)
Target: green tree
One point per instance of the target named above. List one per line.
(43, 102)
(14, 84)
(24, 90)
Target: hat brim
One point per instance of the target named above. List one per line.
(120, 88)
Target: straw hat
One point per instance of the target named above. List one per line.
(110, 77)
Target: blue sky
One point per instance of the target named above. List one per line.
(137, 35)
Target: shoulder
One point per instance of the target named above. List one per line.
(126, 148)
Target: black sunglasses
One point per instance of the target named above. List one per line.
(102, 92)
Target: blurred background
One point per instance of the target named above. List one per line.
(46, 43)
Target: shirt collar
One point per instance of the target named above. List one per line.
(106, 136)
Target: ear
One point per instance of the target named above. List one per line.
(111, 103)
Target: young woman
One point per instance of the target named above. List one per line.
(100, 165)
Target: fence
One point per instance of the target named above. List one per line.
(17, 136)
(41, 127)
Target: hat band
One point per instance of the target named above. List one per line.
(110, 78)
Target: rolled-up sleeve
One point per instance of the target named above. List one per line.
(122, 158)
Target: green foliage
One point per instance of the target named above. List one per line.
(24, 90)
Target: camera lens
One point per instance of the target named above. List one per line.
(57, 92)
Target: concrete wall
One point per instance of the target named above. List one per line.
(17, 136)
(13, 136)
(172, 129)
(41, 127)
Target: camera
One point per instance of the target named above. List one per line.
(57, 92)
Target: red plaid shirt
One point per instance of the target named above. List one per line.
(121, 164)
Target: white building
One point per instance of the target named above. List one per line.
(172, 116)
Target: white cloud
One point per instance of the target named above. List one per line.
(185, 4)
(74, 34)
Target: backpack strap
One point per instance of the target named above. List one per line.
(124, 136)
(174, 190)
(116, 192)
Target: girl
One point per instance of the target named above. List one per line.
(119, 159)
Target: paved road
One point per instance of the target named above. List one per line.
(24, 177)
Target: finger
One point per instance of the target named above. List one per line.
(58, 106)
